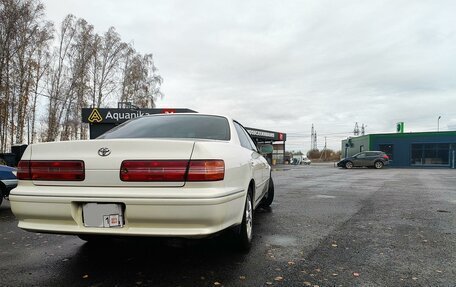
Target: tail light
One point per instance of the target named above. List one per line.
(206, 170)
(172, 170)
(23, 170)
(386, 157)
(153, 170)
(65, 170)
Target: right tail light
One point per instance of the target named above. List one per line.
(206, 170)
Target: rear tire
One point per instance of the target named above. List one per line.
(269, 198)
(378, 164)
(245, 234)
(348, 165)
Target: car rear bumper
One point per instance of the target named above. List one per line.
(180, 217)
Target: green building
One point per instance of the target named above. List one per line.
(422, 149)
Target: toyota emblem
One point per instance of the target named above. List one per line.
(104, 151)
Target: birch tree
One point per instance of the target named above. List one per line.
(48, 75)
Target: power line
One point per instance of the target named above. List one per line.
(338, 133)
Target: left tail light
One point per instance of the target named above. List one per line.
(64, 170)
(23, 170)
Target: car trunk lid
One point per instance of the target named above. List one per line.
(103, 158)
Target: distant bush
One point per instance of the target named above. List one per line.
(324, 155)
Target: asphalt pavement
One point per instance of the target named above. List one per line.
(326, 227)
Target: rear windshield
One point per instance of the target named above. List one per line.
(172, 126)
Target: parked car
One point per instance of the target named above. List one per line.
(8, 181)
(173, 175)
(375, 159)
(300, 159)
(305, 160)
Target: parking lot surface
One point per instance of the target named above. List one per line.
(326, 227)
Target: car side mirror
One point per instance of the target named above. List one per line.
(266, 148)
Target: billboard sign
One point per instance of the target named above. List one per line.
(400, 127)
(266, 135)
(117, 116)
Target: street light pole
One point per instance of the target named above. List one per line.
(438, 123)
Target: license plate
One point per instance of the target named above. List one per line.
(103, 215)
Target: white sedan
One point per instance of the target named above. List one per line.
(174, 175)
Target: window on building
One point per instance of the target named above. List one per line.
(388, 149)
(430, 154)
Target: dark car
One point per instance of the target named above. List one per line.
(376, 159)
(8, 181)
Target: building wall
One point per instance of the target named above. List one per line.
(399, 146)
(356, 145)
(402, 144)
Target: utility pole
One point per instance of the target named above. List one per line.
(438, 123)
(323, 151)
(363, 129)
(356, 129)
(313, 139)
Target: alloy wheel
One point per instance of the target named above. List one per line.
(249, 217)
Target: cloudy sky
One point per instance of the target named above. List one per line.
(283, 65)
